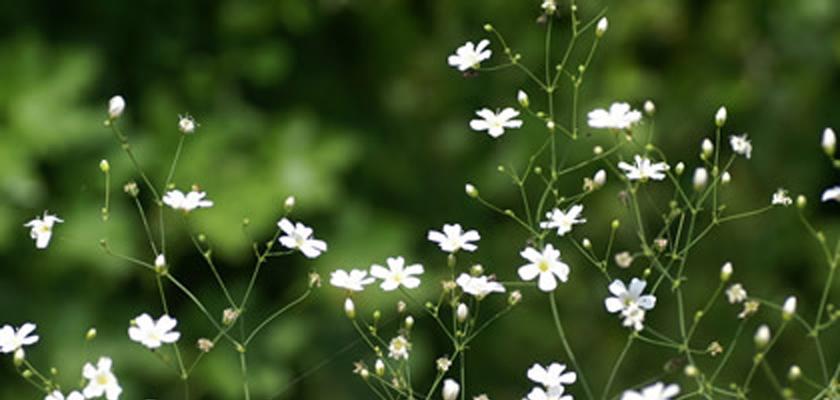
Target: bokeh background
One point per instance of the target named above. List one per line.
(349, 105)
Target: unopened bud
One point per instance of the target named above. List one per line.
(725, 178)
(477, 270)
(522, 97)
(90, 334)
(450, 390)
(726, 272)
(789, 308)
(600, 178)
(471, 190)
(706, 149)
(762, 336)
(586, 243)
(289, 203)
(379, 367)
(409, 322)
(829, 141)
(650, 108)
(19, 357)
(597, 150)
(794, 372)
(116, 106)
(104, 166)
(160, 263)
(801, 201)
(679, 168)
(349, 308)
(462, 312)
(602, 26)
(515, 297)
(691, 371)
(615, 224)
(401, 306)
(700, 179)
(720, 117)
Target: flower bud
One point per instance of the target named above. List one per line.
(615, 224)
(794, 372)
(229, 316)
(762, 336)
(586, 243)
(488, 27)
(471, 190)
(691, 371)
(801, 201)
(19, 357)
(600, 178)
(450, 390)
(522, 97)
(700, 179)
(706, 149)
(597, 150)
(289, 203)
(515, 297)
(116, 106)
(349, 308)
(90, 334)
(602, 26)
(720, 117)
(829, 141)
(477, 270)
(104, 166)
(789, 308)
(725, 178)
(401, 306)
(443, 364)
(726, 272)
(679, 168)
(462, 312)
(650, 108)
(409, 322)
(379, 367)
(160, 262)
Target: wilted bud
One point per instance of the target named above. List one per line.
(602, 26)
(706, 149)
(104, 166)
(186, 124)
(725, 178)
(660, 244)
(700, 179)
(801, 201)
(379, 367)
(205, 345)
(515, 297)
(289, 203)
(116, 106)
(714, 348)
(720, 117)
(349, 308)
(726, 272)
(462, 312)
(90, 334)
(829, 141)
(650, 108)
(443, 364)
(229, 316)
(471, 190)
(679, 168)
(450, 390)
(789, 308)
(522, 97)
(794, 372)
(762, 336)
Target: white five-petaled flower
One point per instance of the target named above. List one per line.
(453, 238)
(643, 169)
(479, 286)
(355, 281)
(741, 145)
(470, 56)
(397, 274)
(553, 376)
(563, 221)
(101, 381)
(57, 395)
(781, 198)
(12, 340)
(40, 229)
(398, 348)
(495, 123)
(299, 236)
(186, 202)
(832, 193)
(546, 265)
(736, 294)
(657, 391)
(151, 333)
(553, 393)
(630, 302)
(187, 124)
(619, 116)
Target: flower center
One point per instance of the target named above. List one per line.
(543, 266)
(102, 379)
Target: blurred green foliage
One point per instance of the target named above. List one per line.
(350, 106)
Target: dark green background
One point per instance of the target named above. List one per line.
(350, 106)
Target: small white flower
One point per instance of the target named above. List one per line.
(470, 56)
(551, 376)
(643, 169)
(479, 286)
(450, 390)
(623, 259)
(831, 194)
(829, 141)
(619, 116)
(56, 395)
(116, 106)
(546, 265)
(657, 391)
(495, 123)
(101, 381)
(630, 302)
(186, 202)
(12, 340)
(40, 229)
(563, 221)
(151, 333)
(355, 281)
(549, 6)
(781, 198)
(736, 294)
(553, 393)
(741, 145)
(453, 238)
(187, 124)
(397, 274)
(299, 236)
(602, 26)
(399, 347)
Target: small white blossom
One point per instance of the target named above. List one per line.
(741, 145)
(546, 264)
(299, 236)
(657, 391)
(101, 381)
(450, 389)
(187, 124)
(736, 294)
(57, 395)
(453, 238)
(781, 198)
(495, 123)
(563, 221)
(186, 202)
(479, 286)
(397, 274)
(470, 56)
(151, 333)
(549, 6)
(553, 393)
(553, 375)
(643, 169)
(831, 194)
(116, 106)
(399, 347)
(355, 281)
(619, 116)
(40, 229)
(630, 302)
(12, 340)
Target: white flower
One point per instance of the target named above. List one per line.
(563, 222)
(187, 124)
(549, 6)
(781, 198)
(479, 286)
(831, 194)
(398, 348)
(495, 123)
(741, 145)
(623, 259)
(186, 202)
(553, 393)
(619, 116)
(12, 340)
(299, 236)
(602, 26)
(116, 106)
(41, 229)
(546, 264)
(470, 56)
(355, 281)
(101, 381)
(657, 391)
(56, 395)
(643, 169)
(552, 376)
(736, 294)
(453, 238)
(829, 141)
(151, 333)
(397, 274)
(630, 302)
(450, 389)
